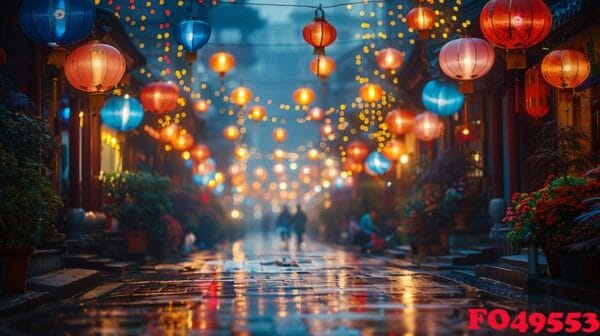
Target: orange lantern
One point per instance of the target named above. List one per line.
(257, 113)
(400, 121)
(160, 97)
(221, 63)
(370, 92)
(466, 59)
(322, 66)
(394, 149)
(183, 142)
(168, 133)
(201, 106)
(428, 126)
(200, 152)
(279, 154)
(280, 134)
(537, 93)
(357, 151)
(304, 96)
(421, 19)
(231, 133)
(94, 67)
(319, 33)
(353, 166)
(326, 130)
(390, 58)
(241, 153)
(278, 168)
(260, 174)
(316, 113)
(241, 96)
(565, 68)
(313, 154)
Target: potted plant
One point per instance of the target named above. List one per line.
(453, 207)
(137, 201)
(425, 228)
(29, 202)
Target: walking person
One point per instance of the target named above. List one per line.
(284, 221)
(367, 229)
(299, 222)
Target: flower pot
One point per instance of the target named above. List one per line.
(16, 262)
(461, 220)
(136, 241)
(553, 261)
(569, 264)
(590, 269)
(74, 222)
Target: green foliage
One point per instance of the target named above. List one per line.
(137, 200)
(28, 199)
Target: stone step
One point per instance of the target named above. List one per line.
(79, 260)
(45, 261)
(520, 260)
(505, 273)
(395, 253)
(64, 283)
(121, 267)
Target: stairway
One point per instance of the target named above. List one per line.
(511, 270)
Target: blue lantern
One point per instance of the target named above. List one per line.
(442, 98)
(122, 113)
(377, 164)
(57, 22)
(192, 35)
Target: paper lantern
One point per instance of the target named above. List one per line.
(465, 133)
(357, 151)
(201, 106)
(466, 59)
(257, 113)
(241, 96)
(377, 164)
(319, 33)
(313, 154)
(390, 58)
(278, 168)
(57, 22)
(280, 134)
(353, 166)
(442, 98)
(192, 35)
(94, 67)
(231, 133)
(394, 149)
(515, 25)
(316, 113)
(537, 93)
(261, 174)
(322, 66)
(200, 152)
(168, 133)
(565, 68)
(241, 153)
(421, 19)
(205, 167)
(160, 97)
(304, 96)
(122, 113)
(183, 141)
(370, 93)
(400, 121)
(279, 154)
(326, 130)
(428, 126)
(221, 63)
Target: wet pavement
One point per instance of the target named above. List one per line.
(255, 287)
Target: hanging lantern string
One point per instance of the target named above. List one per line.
(343, 4)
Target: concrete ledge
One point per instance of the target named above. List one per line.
(64, 283)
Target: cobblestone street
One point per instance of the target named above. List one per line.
(255, 287)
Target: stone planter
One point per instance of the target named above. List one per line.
(15, 261)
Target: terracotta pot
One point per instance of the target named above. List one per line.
(461, 220)
(553, 260)
(590, 269)
(16, 262)
(137, 241)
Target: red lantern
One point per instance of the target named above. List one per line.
(370, 93)
(421, 19)
(221, 63)
(353, 166)
(231, 133)
(322, 66)
(304, 96)
(200, 152)
(241, 96)
(465, 133)
(257, 113)
(400, 121)
(168, 133)
(566, 68)
(357, 151)
(537, 93)
(428, 126)
(466, 59)
(319, 33)
(95, 67)
(515, 24)
(390, 58)
(160, 97)
(280, 134)
(394, 149)
(183, 142)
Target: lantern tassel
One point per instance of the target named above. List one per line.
(191, 56)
